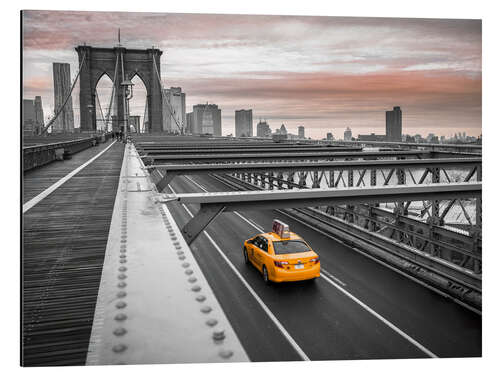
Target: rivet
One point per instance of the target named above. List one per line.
(123, 260)
(206, 309)
(196, 288)
(211, 322)
(120, 331)
(120, 317)
(182, 257)
(119, 348)
(120, 305)
(123, 241)
(188, 272)
(178, 247)
(192, 279)
(121, 294)
(226, 353)
(185, 264)
(122, 276)
(177, 244)
(123, 250)
(201, 298)
(123, 256)
(174, 237)
(219, 335)
(122, 269)
(180, 252)
(122, 284)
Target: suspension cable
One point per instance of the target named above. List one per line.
(112, 94)
(100, 108)
(67, 98)
(169, 106)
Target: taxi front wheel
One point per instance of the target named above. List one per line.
(245, 255)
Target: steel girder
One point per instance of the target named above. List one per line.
(242, 200)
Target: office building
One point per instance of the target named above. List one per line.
(329, 137)
(394, 125)
(302, 132)
(243, 123)
(371, 137)
(62, 87)
(28, 115)
(189, 123)
(174, 110)
(39, 123)
(206, 119)
(282, 130)
(263, 129)
(348, 134)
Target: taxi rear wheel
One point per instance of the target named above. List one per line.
(245, 255)
(265, 275)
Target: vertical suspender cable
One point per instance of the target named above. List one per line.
(112, 94)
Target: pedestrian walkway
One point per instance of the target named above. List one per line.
(64, 241)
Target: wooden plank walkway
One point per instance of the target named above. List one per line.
(64, 241)
(38, 179)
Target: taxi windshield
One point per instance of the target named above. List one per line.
(290, 247)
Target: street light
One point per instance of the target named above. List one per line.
(91, 107)
(128, 88)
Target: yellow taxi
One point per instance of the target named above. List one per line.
(281, 255)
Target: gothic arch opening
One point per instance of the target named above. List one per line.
(103, 111)
(137, 106)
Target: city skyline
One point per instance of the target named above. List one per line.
(325, 73)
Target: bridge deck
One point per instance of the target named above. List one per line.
(65, 238)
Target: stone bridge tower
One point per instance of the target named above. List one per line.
(128, 63)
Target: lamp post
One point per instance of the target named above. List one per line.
(128, 88)
(91, 107)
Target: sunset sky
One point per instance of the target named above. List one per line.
(325, 73)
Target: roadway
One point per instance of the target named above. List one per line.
(358, 309)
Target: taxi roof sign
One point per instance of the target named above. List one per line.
(281, 229)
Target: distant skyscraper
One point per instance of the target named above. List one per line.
(28, 115)
(175, 113)
(39, 123)
(348, 134)
(302, 132)
(62, 85)
(394, 125)
(329, 136)
(263, 129)
(206, 119)
(243, 122)
(282, 130)
(189, 123)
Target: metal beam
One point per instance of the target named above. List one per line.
(171, 170)
(294, 198)
(228, 158)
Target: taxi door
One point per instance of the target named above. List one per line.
(261, 250)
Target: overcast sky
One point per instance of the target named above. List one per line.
(325, 73)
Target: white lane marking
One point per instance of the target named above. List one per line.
(386, 265)
(328, 274)
(258, 227)
(197, 184)
(381, 318)
(269, 313)
(366, 307)
(34, 201)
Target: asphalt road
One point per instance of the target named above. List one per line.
(358, 309)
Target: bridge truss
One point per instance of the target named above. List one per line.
(432, 234)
